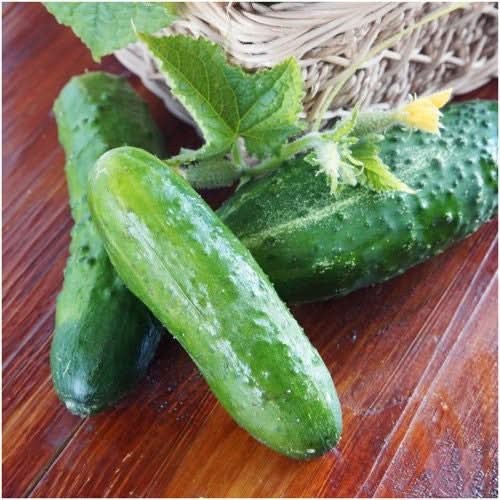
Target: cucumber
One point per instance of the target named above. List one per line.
(314, 245)
(196, 277)
(104, 337)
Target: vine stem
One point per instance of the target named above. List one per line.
(345, 75)
(237, 157)
(287, 151)
(370, 122)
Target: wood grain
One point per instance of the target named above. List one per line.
(414, 359)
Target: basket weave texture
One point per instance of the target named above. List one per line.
(458, 50)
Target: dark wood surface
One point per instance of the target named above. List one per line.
(414, 359)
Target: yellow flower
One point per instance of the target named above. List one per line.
(439, 99)
(423, 113)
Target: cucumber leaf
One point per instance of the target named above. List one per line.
(377, 174)
(107, 26)
(226, 102)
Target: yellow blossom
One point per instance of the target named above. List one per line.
(439, 99)
(423, 113)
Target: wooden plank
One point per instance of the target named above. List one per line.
(449, 447)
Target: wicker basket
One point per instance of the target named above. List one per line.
(458, 50)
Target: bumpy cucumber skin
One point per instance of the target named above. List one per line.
(196, 277)
(315, 246)
(104, 337)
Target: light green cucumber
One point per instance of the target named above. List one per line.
(313, 245)
(196, 277)
(104, 337)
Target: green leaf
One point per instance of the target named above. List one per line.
(226, 102)
(377, 174)
(107, 26)
(344, 127)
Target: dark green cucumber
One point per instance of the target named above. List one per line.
(314, 246)
(104, 337)
(196, 277)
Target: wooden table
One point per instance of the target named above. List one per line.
(414, 359)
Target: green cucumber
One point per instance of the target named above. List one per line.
(104, 337)
(314, 245)
(197, 278)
